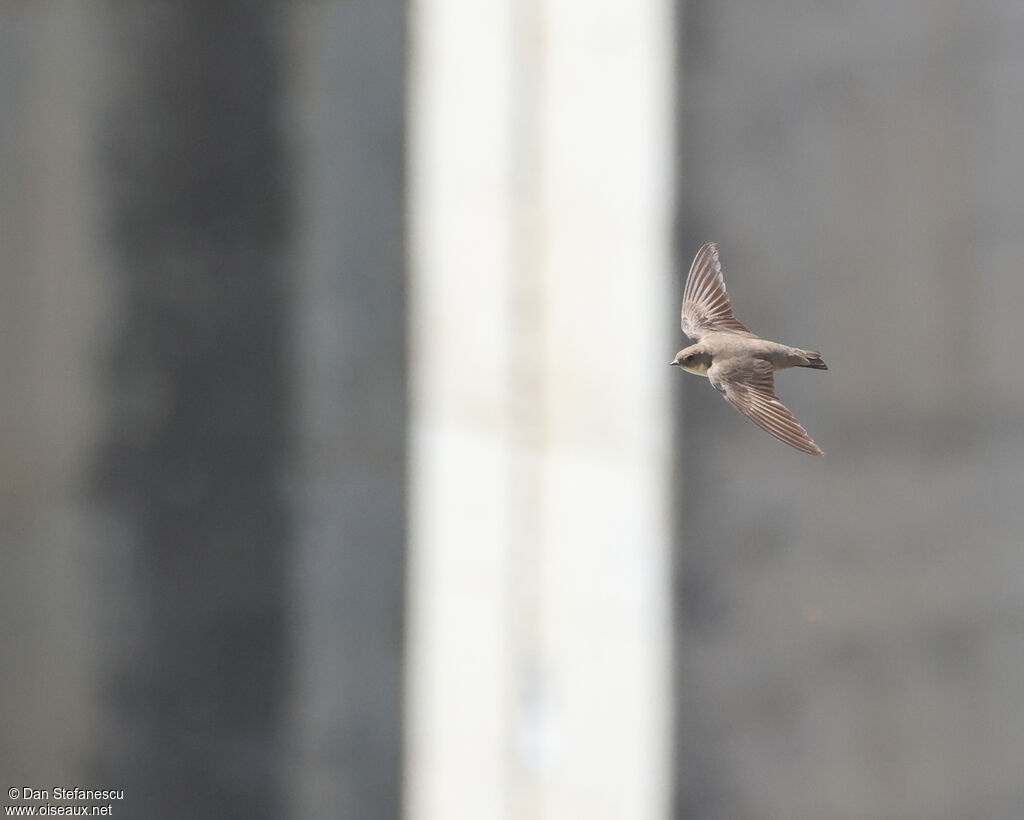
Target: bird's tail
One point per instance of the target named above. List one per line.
(813, 360)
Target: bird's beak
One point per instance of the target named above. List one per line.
(672, 363)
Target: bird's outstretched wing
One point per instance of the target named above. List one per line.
(706, 304)
(751, 390)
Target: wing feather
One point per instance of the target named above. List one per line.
(751, 390)
(706, 304)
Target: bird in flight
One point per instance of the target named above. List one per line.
(739, 364)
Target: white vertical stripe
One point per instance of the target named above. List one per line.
(462, 264)
(541, 170)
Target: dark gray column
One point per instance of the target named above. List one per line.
(202, 317)
(347, 125)
(198, 425)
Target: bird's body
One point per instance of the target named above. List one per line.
(738, 363)
(724, 346)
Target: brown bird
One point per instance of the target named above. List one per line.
(740, 365)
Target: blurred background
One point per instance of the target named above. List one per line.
(343, 474)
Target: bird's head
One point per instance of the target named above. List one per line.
(693, 360)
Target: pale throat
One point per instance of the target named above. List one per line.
(697, 367)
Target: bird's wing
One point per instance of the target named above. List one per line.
(750, 388)
(706, 304)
